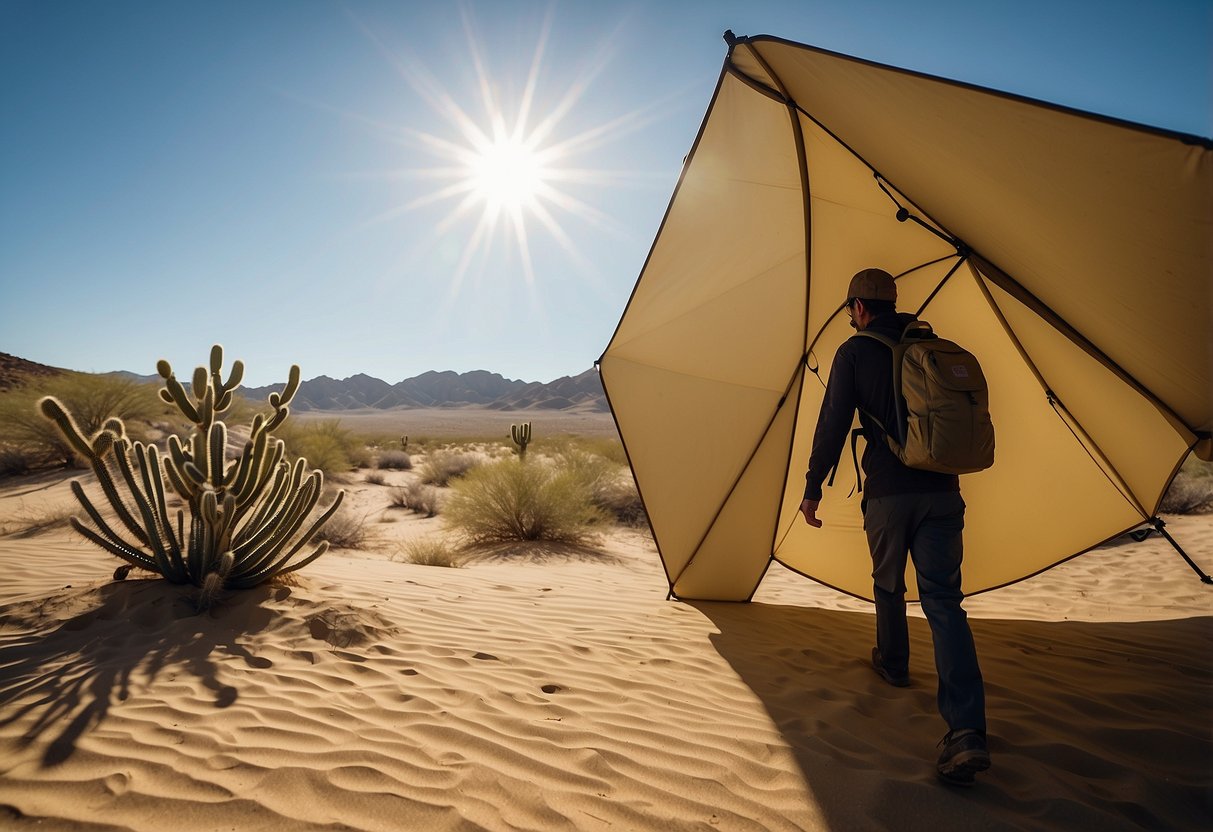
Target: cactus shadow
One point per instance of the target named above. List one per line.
(71, 657)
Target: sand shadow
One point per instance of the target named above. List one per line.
(105, 640)
(1093, 725)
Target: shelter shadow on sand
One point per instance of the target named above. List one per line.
(119, 635)
(1092, 725)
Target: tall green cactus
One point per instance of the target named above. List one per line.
(245, 514)
(521, 434)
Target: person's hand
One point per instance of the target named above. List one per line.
(809, 509)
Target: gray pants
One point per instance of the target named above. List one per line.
(928, 528)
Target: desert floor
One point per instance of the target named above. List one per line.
(559, 689)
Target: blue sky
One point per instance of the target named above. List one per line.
(280, 177)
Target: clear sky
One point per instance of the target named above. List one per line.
(395, 187)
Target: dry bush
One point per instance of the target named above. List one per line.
(432, 551)
(326, 445)
(344, 530)
(1191, 491)
(418, 497)
(91, 399)
(528, 501)
(394, 461)
(17, 460)
(609, 484)
(374, 478)
(442, 466)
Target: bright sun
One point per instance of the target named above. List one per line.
(508, 171)
(507, 174)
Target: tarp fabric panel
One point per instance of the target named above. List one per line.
(713, 343)
(1072, 255)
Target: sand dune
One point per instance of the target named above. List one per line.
(570, 694)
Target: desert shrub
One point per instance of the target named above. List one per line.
(91, 399)
(394, 461)
(1191, 491)
(374, 478)
(418, 497)
(16, 460)
(432, 551)
(345, 530)
(609, 484)
(514, 500)
(617, 496)
(326, 445)
(443, 465)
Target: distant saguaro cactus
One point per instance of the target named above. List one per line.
(245, 514)
(521, 434)
(404, 443)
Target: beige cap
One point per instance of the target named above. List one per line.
(873, 284)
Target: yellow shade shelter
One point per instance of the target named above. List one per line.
(1071, 253)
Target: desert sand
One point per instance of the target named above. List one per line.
(560, 689)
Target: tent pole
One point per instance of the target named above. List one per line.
(1161, 528)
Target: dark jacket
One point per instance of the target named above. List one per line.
(862, 377)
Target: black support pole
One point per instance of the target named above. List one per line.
(1161, 528)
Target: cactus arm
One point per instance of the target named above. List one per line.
(198, 385)
(280, 567)
(156, 481)
(106, 480)
(269, 504)
(282, 533)
(125, 552)
(234, 377)
(178, 397)
(52, 409)
(117, 545)
(273, 524)
(292, 386)
(217, 445)
(266, 472)
(143, 503)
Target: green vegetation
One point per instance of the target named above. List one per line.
(443, 465)
(512, 501)
(394, 461)
(245, 515)
(327, 446)
(432, 551)
(28, 441)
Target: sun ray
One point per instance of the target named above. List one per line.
(505, 166)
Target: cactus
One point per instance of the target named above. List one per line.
(404, 443)
(245, 514)
(521, 434)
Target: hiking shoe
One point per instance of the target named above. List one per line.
(897, 680)
(964, 754)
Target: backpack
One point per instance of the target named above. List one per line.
(943, 403)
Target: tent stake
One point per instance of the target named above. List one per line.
(1161, 528)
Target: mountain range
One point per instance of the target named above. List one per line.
(477, 388)
(433, 389)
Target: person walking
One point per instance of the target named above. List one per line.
(906, 512)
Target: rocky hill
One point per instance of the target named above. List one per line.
(15, 371)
